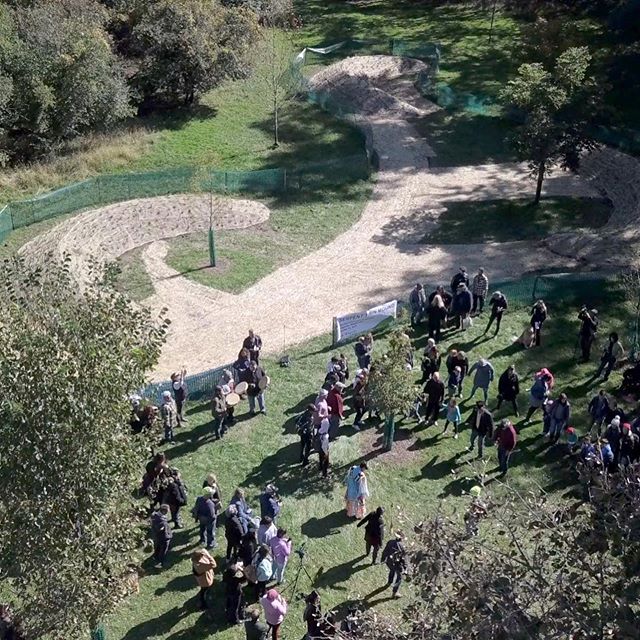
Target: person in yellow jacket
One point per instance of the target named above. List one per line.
(203, 565)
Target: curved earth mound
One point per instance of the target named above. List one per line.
(106, 233)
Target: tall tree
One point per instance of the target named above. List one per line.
(68, 462)
(277, 73)
(183, 48)
(557, 109)
(390, 387)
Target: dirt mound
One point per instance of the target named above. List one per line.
(106, 233)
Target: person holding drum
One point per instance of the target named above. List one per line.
(219, 412)
(228, 385)
(253, 344)
(258, 382)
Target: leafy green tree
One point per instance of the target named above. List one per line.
(68, 462)
(58, 74)
(390, 388)
(183, 48)
(557, 107)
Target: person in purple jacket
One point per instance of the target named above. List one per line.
(280, 550)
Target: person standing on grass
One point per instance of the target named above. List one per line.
(509, 388)
(559, 415)
(437, 312)
(434, 390)
(479, 289)
(175, 495)
(322, 408)
(169, 415)
(234, 580)
(254, 392)
(458, 359)
(359, 399)
(280, 550)
(363, 355)
(598, 408)
(202, 566)
(357, 491)
(538, 317)
(179, 392)
(304, 428)
(499, 305)
(506, 438)
(417, 303)
(219, 413)
(233, 532)
(484, 377)
(253, 344)
(275, 609)
(394, 555)
(323, 447)
(452, 416)
(335, 402)
(373, 532)
(610, 355)
(460, 278)
(461, 305)
(588, 330)
(162, 535)
(266, 531)
(264, 569)
(270, 506)
(241, 366)
(253, 628)
(538, 394)
(481, 422)
(454, 381)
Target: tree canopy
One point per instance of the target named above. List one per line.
(68, 462)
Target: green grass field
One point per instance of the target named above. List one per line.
(508, 220)
(424, 473)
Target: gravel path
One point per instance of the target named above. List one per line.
(374, 261)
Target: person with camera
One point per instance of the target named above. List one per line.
(373, 532)
(280, 550)
(588, 330)
(275, 609)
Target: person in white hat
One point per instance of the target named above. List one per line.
(169, 415)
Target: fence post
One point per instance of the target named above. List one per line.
(284, 179)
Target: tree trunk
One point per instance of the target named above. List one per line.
(493, 17)
(276, 139)
(389, 431)
(541, 167)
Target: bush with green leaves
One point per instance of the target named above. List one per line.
(69, 464)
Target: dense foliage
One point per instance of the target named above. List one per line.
(73, 66)
(68, 463)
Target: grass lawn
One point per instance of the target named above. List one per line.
(424, 473)
(506, 220)
(298, 225)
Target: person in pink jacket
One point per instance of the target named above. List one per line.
(280, 550)
(275, 608)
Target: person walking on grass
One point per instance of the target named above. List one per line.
(395, 557)
(559, 414)
(275, 610)
(479, 289)
(538, 394)
(484, 374)
(280, 550)
(304, 427)
(498, 304)
(452, 416)
(219, 413)
(610, 355)
(539, 316)
(509, 388)
(417, 303)
(202, 566)
(506, 438)
(481, 422)
(373, 532)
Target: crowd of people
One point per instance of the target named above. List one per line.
(258, 550)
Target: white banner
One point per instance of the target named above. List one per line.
(355, 324)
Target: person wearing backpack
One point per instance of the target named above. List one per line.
(538, 395)
(175, 495)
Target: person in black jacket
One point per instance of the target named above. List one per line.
(434, 390)
(233, 580)
(373, 532)
(588, 330)
(509, 388)
(462, 277)
(162, 534)
(205, 512)
(538, 317)
(481, 422)
(498, 304)
(304, 427)
(175, 495)
(233, 532)
(394, 555)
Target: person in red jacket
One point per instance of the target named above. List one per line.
(506, 438)
(335, 401)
